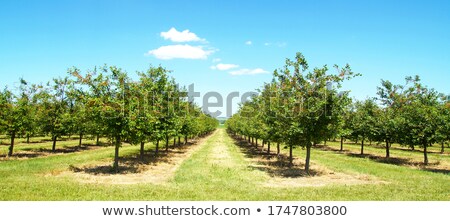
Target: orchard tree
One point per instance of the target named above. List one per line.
(344, 127)
(146, 106)
(443, 133)
(389, 119)
(421, 112)
(160, 102)
(364, 120)
(306, 104)
(418, 112)
(274, 127)
(29, 100)
(111, 102)
(77, 116)
(190, 123)
(309, 102)
(53, 109)
(16, 112)
(387, 126)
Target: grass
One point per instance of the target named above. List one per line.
(217, 170)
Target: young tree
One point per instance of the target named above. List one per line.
(309, 102)
(110, 100)
(443, 132)
(364, 120)
(17, 113)
(53, 109)
(417, 109)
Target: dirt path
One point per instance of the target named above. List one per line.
(158, 171)
(220, 154)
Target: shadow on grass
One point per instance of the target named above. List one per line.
(444, 171)
(273, 164)
(22, 155)
(390, 160)
(434, 150)
(30, 152)
(134, 163)
(417, 150)
(65, 149)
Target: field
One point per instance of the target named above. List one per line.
(218, 167)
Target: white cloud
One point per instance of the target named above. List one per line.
(248, 42)
(184, 36)
(246, 71)
(224, 67)
(215, 60)
(278, 44)
(180, 51)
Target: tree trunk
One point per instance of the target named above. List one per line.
(362, 146)
(387, 148)
(268, 147)
(442, 147)
(141, 153)
(256, 143)
(411, 146)
(81, 139)
(179, 141)
(342, 144)
(291, 158)
(116, 154)
(54, 144)
(185, 139)
(425, 156)
(98, 140)
(11, 146)
(157, 148)
(308, 156)
(28, 138)
(174, 141)
(278, 149)
(167, 143)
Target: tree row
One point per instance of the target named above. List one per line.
(104, 102)
(303, 107)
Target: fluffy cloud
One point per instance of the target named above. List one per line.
(176, 36)
(215, 60)
(246, 71)
(180, 51)
(224, 67)
(248, 42)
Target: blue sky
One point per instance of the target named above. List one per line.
(40, 40)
